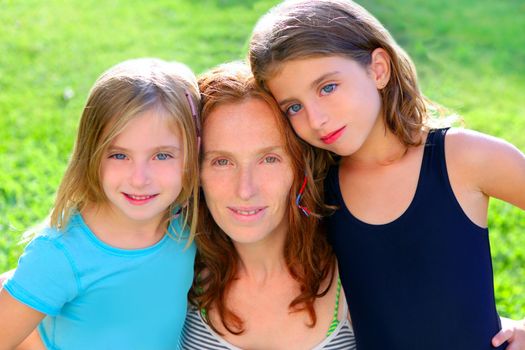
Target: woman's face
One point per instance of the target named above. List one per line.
(246, 174)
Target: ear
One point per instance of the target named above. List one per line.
(380, 67)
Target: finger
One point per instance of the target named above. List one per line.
(502, 336)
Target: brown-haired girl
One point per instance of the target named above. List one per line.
(411, 233)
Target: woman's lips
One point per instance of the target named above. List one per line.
(247, 214)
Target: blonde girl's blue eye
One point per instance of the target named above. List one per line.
(327, 89)
(293, 109)
(118, 156)
(163, 156)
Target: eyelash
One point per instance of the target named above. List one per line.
(117, 156)
(217, 162)
(332, 87)
(273, 158)
(289, 112)
(266, 160)
(167, 155)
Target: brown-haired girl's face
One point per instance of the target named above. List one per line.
(141, 170)
(246, 175)
(332, 101)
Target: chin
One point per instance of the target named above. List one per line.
(247, 238)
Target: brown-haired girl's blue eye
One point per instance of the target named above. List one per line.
(293, 109)
(327, 89)
(118, 156)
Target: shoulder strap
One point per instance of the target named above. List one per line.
(335, 319)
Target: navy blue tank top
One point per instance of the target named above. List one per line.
(423, 281)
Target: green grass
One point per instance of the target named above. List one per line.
(469, 55)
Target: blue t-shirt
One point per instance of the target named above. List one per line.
(100, 297)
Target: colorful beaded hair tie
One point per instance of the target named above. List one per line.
(300, 196)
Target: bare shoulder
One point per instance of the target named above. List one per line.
(476, 146)
(469, 150)
(491, 164)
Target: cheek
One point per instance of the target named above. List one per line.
(213, 188)
(280, 188)
(170, 173)
(214, 201)
(370, 101)
(302, 128)
(109, 174)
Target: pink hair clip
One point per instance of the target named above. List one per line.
(195, 116)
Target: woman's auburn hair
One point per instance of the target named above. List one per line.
(307, 253)
(298, 29)
(120, 94)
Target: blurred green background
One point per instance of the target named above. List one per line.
(470, 56)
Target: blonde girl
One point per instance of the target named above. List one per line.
(113, 267)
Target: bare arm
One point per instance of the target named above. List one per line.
(504, 174)
(491, 165)
(481, 166)
(33, 342)
(17, 321)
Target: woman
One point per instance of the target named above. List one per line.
(265, 277)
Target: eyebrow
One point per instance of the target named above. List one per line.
(230, 154)
(155, 149)
(313, 84)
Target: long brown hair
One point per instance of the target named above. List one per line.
(119, 95)
(308, 256)
(304, 28)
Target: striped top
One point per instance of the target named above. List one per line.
(197, 335)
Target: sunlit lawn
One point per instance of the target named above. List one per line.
(470, 57)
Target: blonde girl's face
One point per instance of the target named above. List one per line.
(332, 101)
(141, 171)
(246, 175)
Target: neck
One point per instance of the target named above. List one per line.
(262, 260)
(382, 148)
(113, 229)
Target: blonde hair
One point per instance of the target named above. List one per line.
(119, 95)
(304, 28)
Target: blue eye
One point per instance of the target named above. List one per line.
(294, 109)
(163, 156)
(118, 156)
(327, 89)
